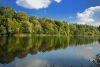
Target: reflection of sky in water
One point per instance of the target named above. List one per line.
(72, 55)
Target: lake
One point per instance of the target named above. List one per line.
(49, 51)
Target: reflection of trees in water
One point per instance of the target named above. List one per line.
(96, 60)
(79, 40)
(99, 40)
(11, 47)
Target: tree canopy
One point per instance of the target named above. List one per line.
(13, 22)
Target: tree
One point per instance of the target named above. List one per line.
(2, 30)
(13, 26)
(21, 16)
(33, 19)
(26, 27)
(7, 12)
(12, 22)
(99, 28)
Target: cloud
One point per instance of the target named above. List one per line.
(58, 1)
(89, 16)
(35, 4)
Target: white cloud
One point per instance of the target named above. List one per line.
(35, 4)
(86, 17)
(58, 1)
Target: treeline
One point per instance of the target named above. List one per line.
(12, 22)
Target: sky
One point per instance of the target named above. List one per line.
(77, 11)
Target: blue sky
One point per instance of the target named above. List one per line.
(57, 9)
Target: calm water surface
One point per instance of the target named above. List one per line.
(49, 51)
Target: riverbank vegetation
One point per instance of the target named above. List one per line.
(13, 22)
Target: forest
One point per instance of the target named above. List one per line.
(13, 22)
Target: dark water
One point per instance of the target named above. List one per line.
(49, 51)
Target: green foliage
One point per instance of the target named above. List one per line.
(33, 19)
(12, 22)
(21, 16)
(7, 12)
(2, 30)
(26, 27)
(13, 26)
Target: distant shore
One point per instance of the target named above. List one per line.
(23, 35)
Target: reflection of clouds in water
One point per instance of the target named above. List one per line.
(89, 51)
(32, 63)
(86, 52)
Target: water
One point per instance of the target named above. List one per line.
(49, 51)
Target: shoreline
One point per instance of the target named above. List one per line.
(22, 35)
